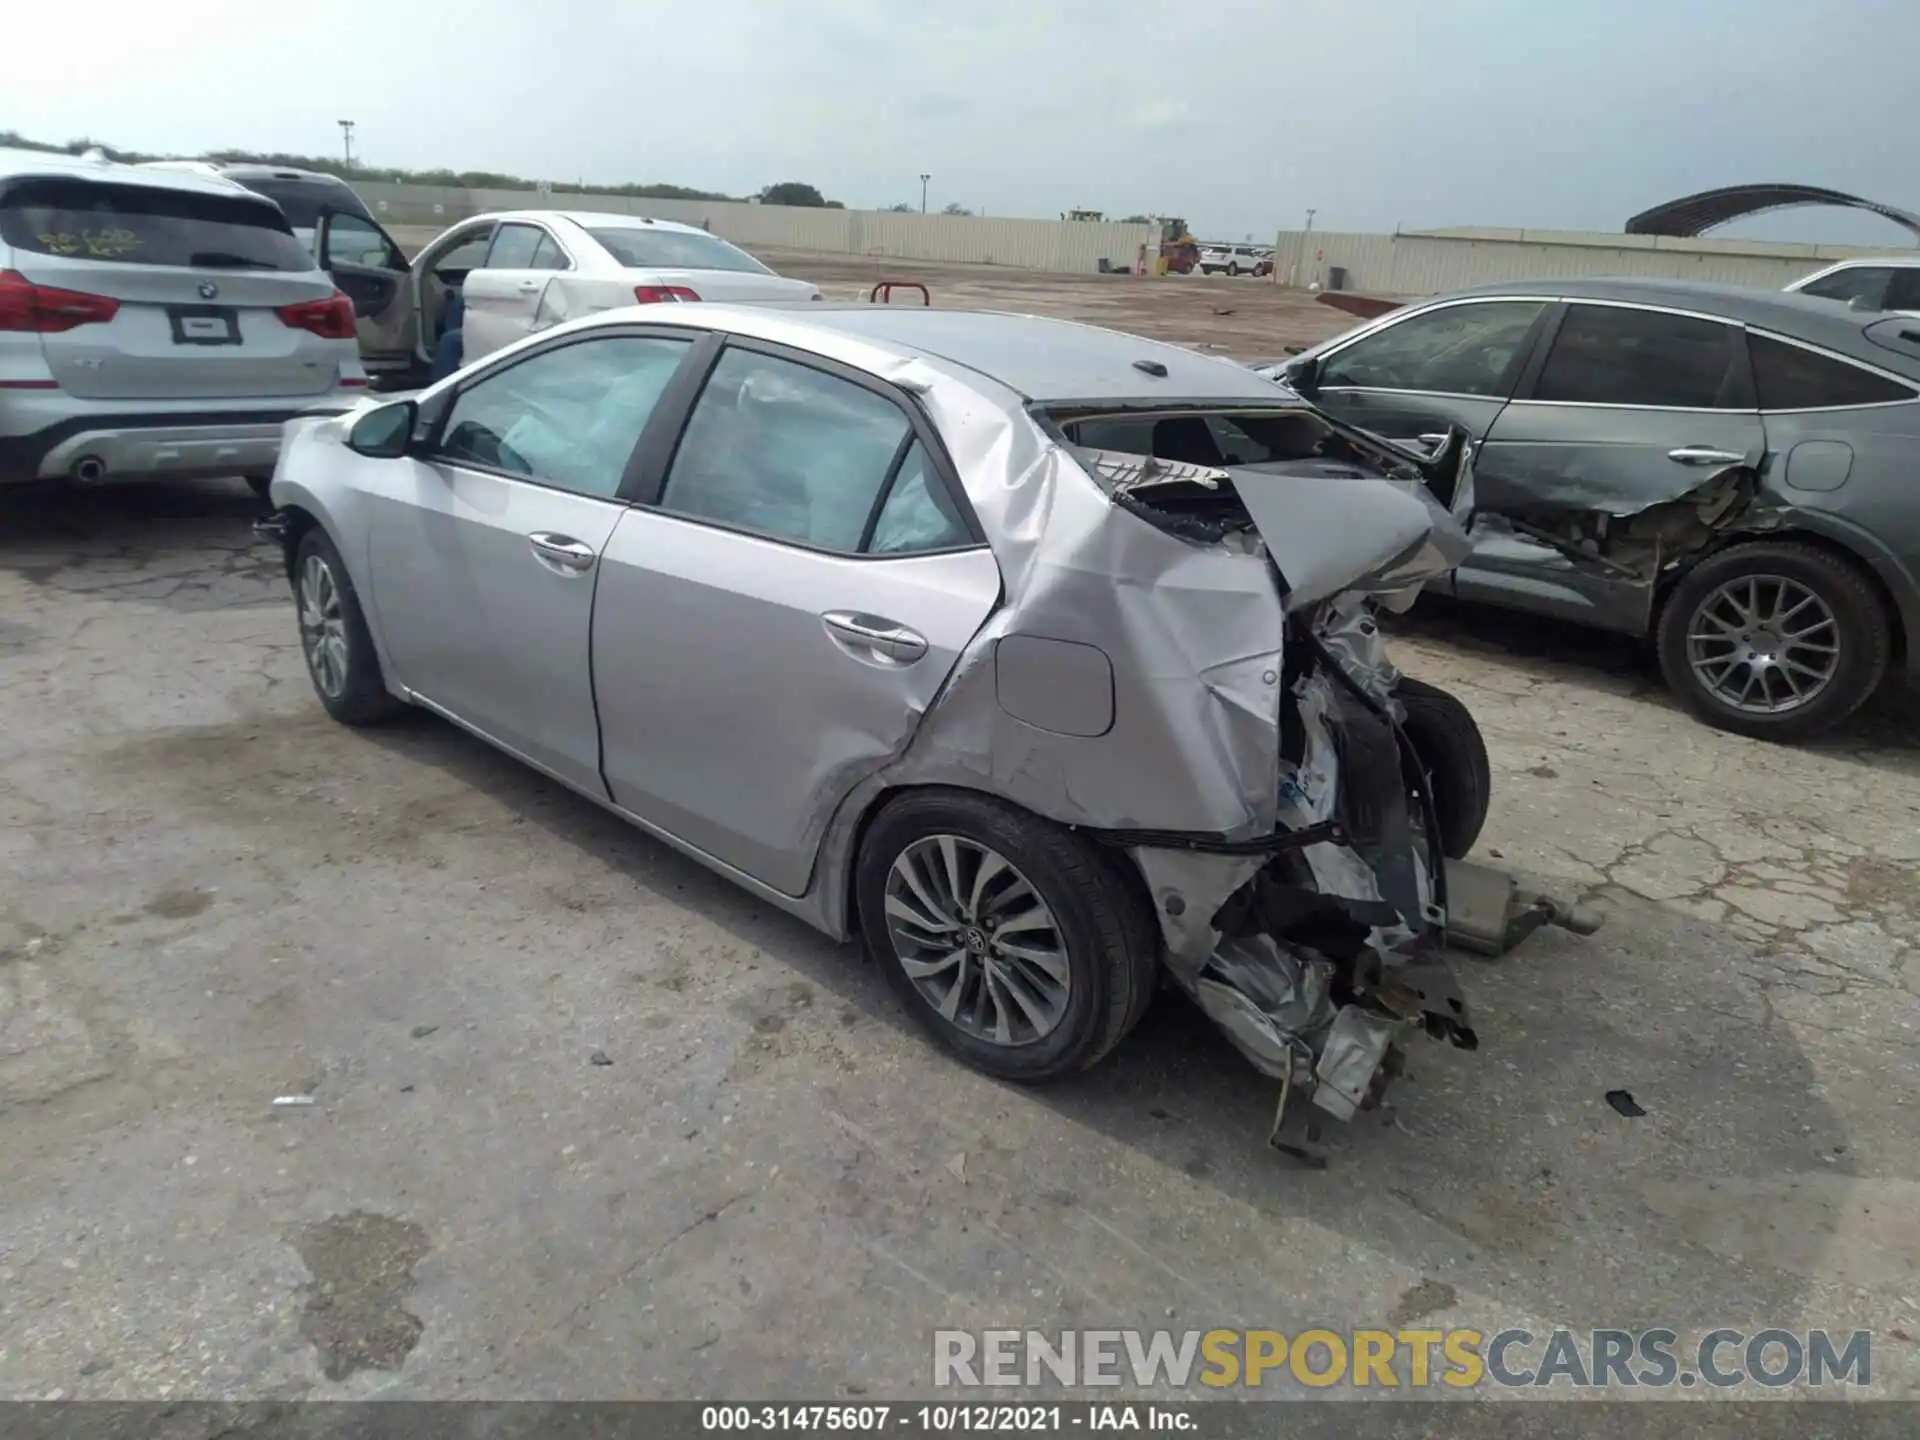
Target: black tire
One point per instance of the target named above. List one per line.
(259, 484)
(362, 698)
(1108, 932)
(1862, 630)
(1234, 270)
(1453, 754)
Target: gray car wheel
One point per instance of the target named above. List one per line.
(1775, 639)
(334, 641)
(1019, 946)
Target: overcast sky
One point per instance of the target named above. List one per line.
(1565, 114)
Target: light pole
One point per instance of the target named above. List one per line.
(924, 177)
(1306, 241)
(346, 138)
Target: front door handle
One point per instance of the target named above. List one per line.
(561, 552)
(1705, 455)
(882, 636)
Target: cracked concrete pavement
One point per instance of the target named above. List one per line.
(212, 897)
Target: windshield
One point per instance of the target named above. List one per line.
(646, 248)
(301, 201)
(133, 225)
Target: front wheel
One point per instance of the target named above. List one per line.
(1453, 759)
(1777, 640)
(334, 639)
(1017, 945)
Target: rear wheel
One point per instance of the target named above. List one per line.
(333, 636)
(1017, 945)
(1776, 639)
(1453, 757)
(1233, 269)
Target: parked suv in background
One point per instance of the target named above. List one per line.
(157, 323)
(1879, 282)
(302, 195)
(1731, 471)
(1235, 259)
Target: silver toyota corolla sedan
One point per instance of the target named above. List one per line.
(919, 625)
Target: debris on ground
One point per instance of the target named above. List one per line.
(600, 1057)
(958, 1166)
(420, 1032)
(290, 1100)
(1623, 1103)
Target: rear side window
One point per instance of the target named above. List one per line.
(133, 225)
(514, 247)
(1789, 377)
(645, 248)
(1607, 355)
(1867, 283)
(792, 453)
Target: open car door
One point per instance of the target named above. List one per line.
(371, 270)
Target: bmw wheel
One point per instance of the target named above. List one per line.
(1017, 945)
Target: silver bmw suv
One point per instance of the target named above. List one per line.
(154, 323)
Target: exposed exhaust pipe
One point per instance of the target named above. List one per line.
(89, 468)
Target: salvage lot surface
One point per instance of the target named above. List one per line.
(212, 897)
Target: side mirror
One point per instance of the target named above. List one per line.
(1303, 375)
(385, 432)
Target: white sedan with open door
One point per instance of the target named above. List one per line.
(524, 271)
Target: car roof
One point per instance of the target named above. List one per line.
(594, 219)
(1044, 359)
(249, 170)
(1803, 317)
(19, 164)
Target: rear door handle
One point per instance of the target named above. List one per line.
(884, 637)
(527, 287)
(561, 552)
(1705, 455)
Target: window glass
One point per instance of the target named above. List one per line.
(919, 513)
(1455, 350)
(133, 225)
(353, 241)
(548, 255)
(1903, 290)
(1867, 283)
(513, 247)
(787, 451)
(301, 201)
(468, 254)
(1791, 378)
(646, 247)
(1607, 355)
(568, 417)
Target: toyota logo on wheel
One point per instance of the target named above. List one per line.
(208, 290)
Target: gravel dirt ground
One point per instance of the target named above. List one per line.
(586, 1122)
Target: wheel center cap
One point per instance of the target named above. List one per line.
(976, 939)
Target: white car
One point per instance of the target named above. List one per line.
(1877, 282)
(523, 271)
(1234, 259)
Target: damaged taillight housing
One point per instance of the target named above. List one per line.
(663, 294)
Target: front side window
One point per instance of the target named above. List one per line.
(1610, 355)
(1791, 377)
(353, 241)
(569, 417)
(1866, 283)
(786, 451)
(1473, 349)
(466, 254)
(134, 225)
(515, 247)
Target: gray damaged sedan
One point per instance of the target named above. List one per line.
(905, 622)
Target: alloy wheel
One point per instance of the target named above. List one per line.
(323, 627)
(1763, 644)
(977, 941)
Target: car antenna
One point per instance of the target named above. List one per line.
(1151, 367)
